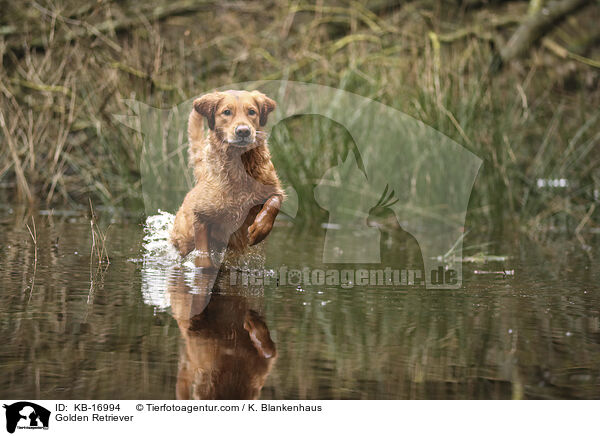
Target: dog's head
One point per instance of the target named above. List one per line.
(236, 117)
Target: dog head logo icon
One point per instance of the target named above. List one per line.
(26, 415)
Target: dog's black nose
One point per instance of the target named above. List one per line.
(242, 131)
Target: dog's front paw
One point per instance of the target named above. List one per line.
(259, 229)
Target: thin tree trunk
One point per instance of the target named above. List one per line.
(538, 25)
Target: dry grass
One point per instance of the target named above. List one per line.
(68, 67)
(33, 234)
(98, 249)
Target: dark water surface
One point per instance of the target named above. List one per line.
(74, 329)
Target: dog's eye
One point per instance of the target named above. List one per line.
(226, 112)
(251, 112)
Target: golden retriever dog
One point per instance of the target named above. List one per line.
(237, 193)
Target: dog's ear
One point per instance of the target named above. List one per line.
(206, 106)
(265, 106)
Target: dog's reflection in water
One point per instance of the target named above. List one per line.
(227, 351)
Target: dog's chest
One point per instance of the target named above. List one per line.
(235, 192)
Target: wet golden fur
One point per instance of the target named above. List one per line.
(233, 181)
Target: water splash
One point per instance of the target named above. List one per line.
(160, 260)
(156, 245)
(162, 264)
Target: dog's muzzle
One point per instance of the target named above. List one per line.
(243, 136)
(242, 131)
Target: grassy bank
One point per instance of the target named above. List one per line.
(534, 121)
